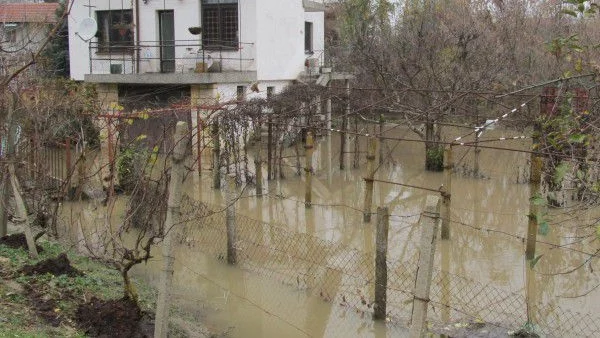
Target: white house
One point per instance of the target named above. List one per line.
(142, 45)
(23, 26)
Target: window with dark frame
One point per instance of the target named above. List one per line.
(220, 24)
(308, 37)
(115, 33)
(241, 93)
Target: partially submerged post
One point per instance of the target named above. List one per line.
(172, 219)
(372, 149)
(429, 225)
(216, 155)
(258, 160)
(356, 144)
(446, 192)
(199, 138)
(269, 148)
(344, 143)
(230, 221)
(381, 139)
(308, 169)
(535, 180)
(383, 224)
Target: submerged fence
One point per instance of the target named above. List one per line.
(345, 277)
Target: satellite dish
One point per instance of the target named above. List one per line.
(87, 29)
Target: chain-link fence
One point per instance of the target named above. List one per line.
(345, 277)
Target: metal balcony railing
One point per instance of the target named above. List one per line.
(178, 56)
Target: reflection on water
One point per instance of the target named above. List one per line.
(489, 220)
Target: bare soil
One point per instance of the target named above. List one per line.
(120, 318)
(17, 241)
(56, 266)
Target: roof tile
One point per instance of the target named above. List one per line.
(28, 12)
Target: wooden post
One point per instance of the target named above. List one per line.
(5, 184)
(269, 148)
(258, 161)
(343, 143)
(308, 169)
(216, 155)
(81, 171)
(369, 180)
(199, 138)
(429, 224)
(446, 192)
(68, 157)
(345, 128)
(535, 179)
(383, 224)
(111, 159)
(172, 219)
(230, 221)
(477, 150)
(381, 140)
(356, 144)
(328, 111)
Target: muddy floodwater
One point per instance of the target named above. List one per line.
(486, 248)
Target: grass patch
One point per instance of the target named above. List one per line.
(21, 297)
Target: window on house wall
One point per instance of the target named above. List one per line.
(270, 92)
(115, 30)
(220, 24)
(241, 93)
(308, 37)
(9, 32)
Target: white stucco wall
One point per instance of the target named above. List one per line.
(318, 20)
(280, 39)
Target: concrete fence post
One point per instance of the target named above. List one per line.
(429, 225)
(172, 219)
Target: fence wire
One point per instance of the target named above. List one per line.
(345, 277)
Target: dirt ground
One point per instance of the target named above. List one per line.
(16, 241)
(50, 292)
(114, 318)
(56, 266)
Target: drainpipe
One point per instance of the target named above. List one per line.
(137, 36)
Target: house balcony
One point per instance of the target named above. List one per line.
(172, 62)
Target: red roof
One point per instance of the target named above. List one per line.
(28, 12)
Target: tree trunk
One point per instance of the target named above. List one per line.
(434, 152)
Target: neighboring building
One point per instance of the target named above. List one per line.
(23, 26)
(148, 47)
